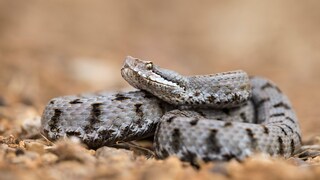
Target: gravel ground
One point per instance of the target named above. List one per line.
(55, 47)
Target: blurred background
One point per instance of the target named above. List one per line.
(57, 47)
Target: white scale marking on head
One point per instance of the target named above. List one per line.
(157, 79)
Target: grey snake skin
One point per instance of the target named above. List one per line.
(210, 117)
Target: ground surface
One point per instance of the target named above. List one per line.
(54, 48)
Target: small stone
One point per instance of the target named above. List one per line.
(49, 158)
(19, 152)
(35, 147)
(110, 153)
(31, 126)
(67, 150)
(29, 159)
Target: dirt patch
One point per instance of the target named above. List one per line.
(54, 48)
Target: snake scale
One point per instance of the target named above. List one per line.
(210, 117)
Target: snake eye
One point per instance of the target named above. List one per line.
(149, 65)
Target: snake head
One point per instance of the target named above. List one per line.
(138, 72)
(135, 65)
(147, 76)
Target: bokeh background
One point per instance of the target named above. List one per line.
(57, 47)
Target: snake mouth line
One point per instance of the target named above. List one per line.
(126, 70)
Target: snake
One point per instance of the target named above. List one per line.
(215, 117)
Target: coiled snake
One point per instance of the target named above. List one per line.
(210, 117)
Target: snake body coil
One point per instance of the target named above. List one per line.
(210, 117)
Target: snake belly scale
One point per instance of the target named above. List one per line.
(209, 117)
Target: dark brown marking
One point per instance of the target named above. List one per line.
(227, 124)
(178, 96)
(280, 141)
(300, 140)
(96, 109)
(54, 120)
(243, 117)
(218, 103)
(253, 140)
(291, 130)
(52, 101)
(262, 101)
(292, 146)
(277, 115)
(170, 119)
(206, 159)
(87, 128)
(277, 122)
(226, 111)
(194, 121)
(163, 107)
(200, 112)
(73, 133)
(127, 132)
(290, 119)
(176, 140)
(148, 95)
(281, 104)
(138, 109)
(212, 141)
(265, 129)
(278, 89)
(151, 129)
(190, 157)
(283, 131)
(139, 114)
(236, 98)
(211, 98)
(164, 153)
(94, 116)
(228, 157)
(121, 97)
(269, 85)
(104, 137)
(197, 93)
(76, 101)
